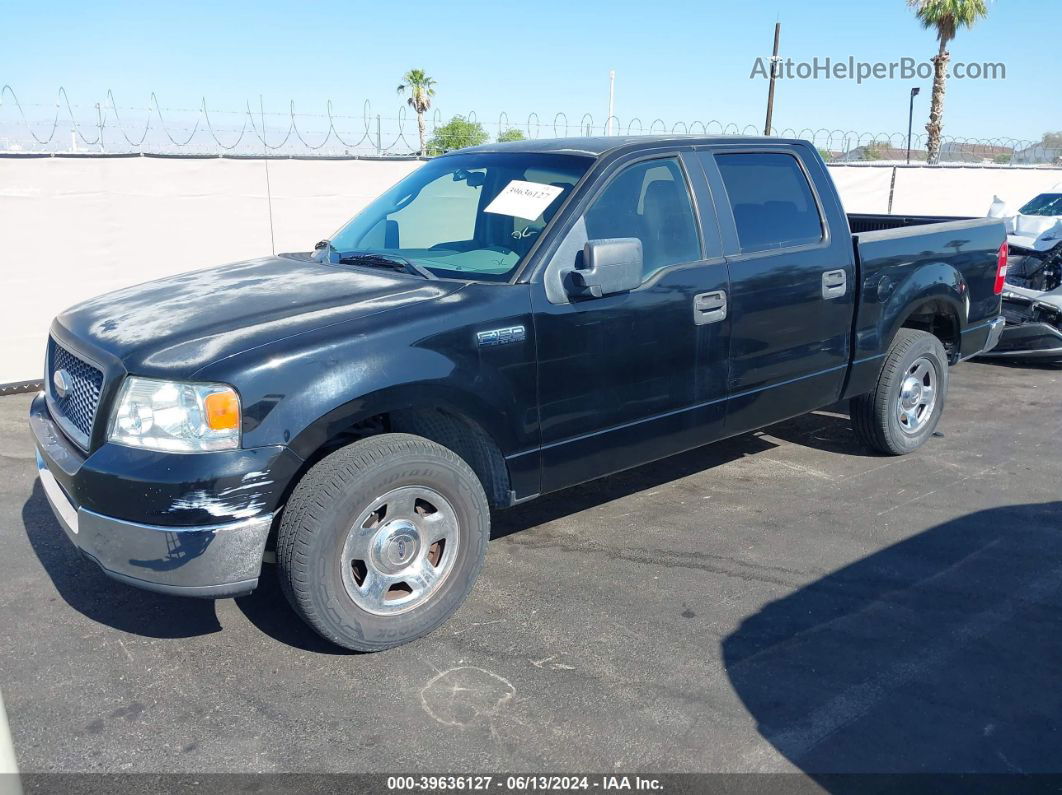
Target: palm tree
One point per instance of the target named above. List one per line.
(421, 89)
(945, 17)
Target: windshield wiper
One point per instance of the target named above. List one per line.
(325, 252)
(394, 261)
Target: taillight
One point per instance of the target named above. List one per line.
(1001, 268)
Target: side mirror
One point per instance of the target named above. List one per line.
(609, 266)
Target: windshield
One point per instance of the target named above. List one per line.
(469, 216)
(1044, 204)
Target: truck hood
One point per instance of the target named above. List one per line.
(177, 325)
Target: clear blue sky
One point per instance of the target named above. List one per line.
(674, 59)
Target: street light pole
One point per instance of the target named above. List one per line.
(910, 119)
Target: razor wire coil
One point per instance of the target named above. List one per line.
(108, 127)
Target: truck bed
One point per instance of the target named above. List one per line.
(874, 222)
(959, 258)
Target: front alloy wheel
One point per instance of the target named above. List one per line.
(400, 550)
(382, 540)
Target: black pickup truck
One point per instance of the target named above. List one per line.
(504, 322)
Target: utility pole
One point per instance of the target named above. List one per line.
(774, 73)
(611, 99)
(910, 118)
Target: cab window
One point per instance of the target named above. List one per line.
(771, 200)
(649, 201)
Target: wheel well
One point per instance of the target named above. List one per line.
(940, 320)
(457, 433)
(466, 438)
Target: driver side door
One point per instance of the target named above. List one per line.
(639, 375)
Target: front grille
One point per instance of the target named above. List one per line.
(84, 384)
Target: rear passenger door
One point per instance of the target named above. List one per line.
(792, 282)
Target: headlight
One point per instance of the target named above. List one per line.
(176, 417)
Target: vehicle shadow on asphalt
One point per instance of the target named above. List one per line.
(623, 484)
(937, 654)
(826, 430)
(268, 609)
(1021, 364)
(84, 587)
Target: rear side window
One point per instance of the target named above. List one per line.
(771, 200)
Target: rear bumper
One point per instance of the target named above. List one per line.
(210, 561)
(1029, 341)
(980, 339)
(995, 333)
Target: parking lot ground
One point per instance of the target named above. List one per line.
(782, 601)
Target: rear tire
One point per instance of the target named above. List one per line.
(906, 404)
(382, 541)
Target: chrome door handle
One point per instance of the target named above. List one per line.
(709, 307)
(834, 284)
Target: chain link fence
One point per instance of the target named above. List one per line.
(106, 127)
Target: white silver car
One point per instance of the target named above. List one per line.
(1032, 298)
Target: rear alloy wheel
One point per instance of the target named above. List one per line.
(382, 540)
(908, 399)
(918, 396)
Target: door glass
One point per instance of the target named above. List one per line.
(648, 201)
(771, 200)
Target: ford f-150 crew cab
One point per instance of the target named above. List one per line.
(506, 321)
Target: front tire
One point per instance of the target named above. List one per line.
(382, 541)
(908, 399)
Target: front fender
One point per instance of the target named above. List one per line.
(301, 393)
(445, 395)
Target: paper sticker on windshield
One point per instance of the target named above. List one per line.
(524, 199)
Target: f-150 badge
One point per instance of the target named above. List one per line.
(501, 336)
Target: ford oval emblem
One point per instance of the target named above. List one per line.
(61, 381)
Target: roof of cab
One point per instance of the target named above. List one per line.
(596, 146)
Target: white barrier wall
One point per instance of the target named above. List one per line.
(74, 228)
(967, 191)
(863, 190)
(71, 228)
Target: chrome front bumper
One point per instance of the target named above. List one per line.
(208, 561)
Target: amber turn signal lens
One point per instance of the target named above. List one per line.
(222, 410)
